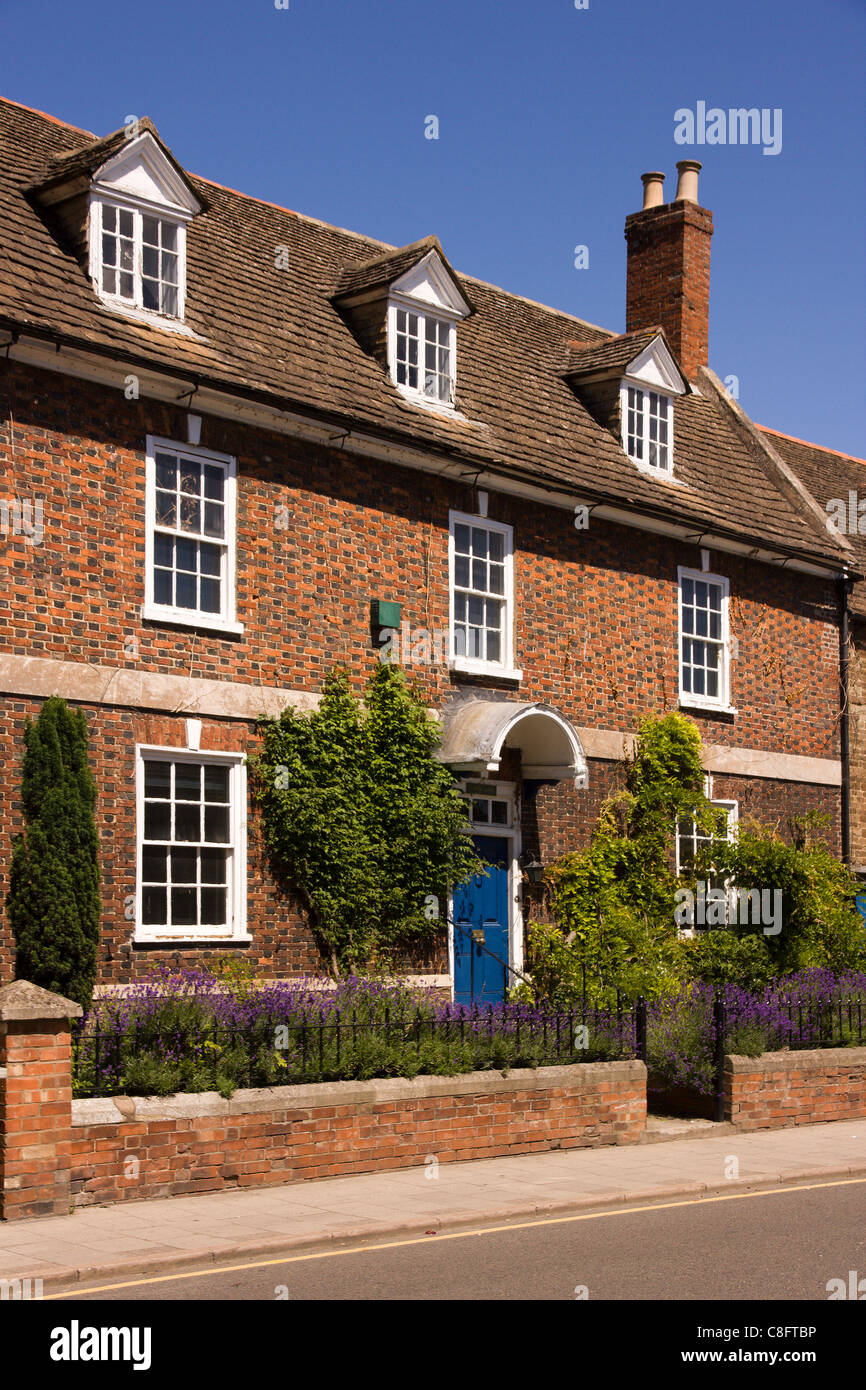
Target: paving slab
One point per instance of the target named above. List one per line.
(103, 1244)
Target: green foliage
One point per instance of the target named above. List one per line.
(53, 903)
(721, 957)
(613, 902)
(820, 926)
(360, 817)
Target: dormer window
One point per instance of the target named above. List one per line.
(424, 307)
(139, 205)
(140, 258)
(648, 427)
(423, 354)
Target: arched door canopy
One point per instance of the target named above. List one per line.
(476, 732)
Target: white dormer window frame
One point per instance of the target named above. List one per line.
(650, 382)
(648, 427)
(135, 248)
(422, 353)
(138, 211)
(424, 307)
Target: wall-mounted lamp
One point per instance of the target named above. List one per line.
(533, 871)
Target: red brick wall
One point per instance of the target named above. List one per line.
(596, 621)
(596, 609)
(348, 1127)
(35, 1135)
(781, 1089)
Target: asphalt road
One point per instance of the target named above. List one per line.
(770, 1244)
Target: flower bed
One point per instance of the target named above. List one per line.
(814, 1008)
(191, 1032)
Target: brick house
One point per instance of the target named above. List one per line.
(239, 447)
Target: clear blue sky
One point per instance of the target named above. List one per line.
(548, 115)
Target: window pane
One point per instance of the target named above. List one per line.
(496, 541)
(209, 596)
(165, 509)
(214, 483)
(157, 778)
(125, 223)
(493, 647)
(157, 820)
(499, 812)
(154, 907)
(479, 542)
(479, 574)
(496, 583)
(213, 866)
(213, 518)
(213, 907)
(166, 471)
(109, 217)
(479, 812)
(184, 907)
(162, 587)
(163, 550)
(150, 261)
(150, 230)
(169, 236)
(216, 783)
(154, 865)
(187, 781)
(184, 863)
(216, 824)
(461, 539)
(461, 570)
(186, 553)
(187, 822)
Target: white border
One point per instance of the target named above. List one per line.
(236, 928)
(686, 699)
(474, 665)
(652, 470)
(139, 208)
(414, 393)
(226, 621)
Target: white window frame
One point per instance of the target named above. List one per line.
(475, 665)
(424, 312)
(236, 877)
(139, 209)
(225, 621)
(633, 384)
(732, 810)
(687, 700)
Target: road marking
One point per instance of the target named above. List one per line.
(451, 1235)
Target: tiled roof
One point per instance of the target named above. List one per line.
(383, 270)
(275, 332)
(612, 355)
(829, 476)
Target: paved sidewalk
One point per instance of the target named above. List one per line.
(105, 1244)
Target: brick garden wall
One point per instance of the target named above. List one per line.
(781, 1089)
(129, 1149)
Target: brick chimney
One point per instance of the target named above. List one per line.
(668, 277)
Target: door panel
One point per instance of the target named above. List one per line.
(481, 906)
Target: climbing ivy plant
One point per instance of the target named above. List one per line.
(613, 901)
(360, 818)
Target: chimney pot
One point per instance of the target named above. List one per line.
(687, 184)
(652, 190)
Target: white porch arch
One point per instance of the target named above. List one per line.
(477, 731)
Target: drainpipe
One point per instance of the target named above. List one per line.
(845, 587)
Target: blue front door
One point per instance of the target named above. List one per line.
(481, 927)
